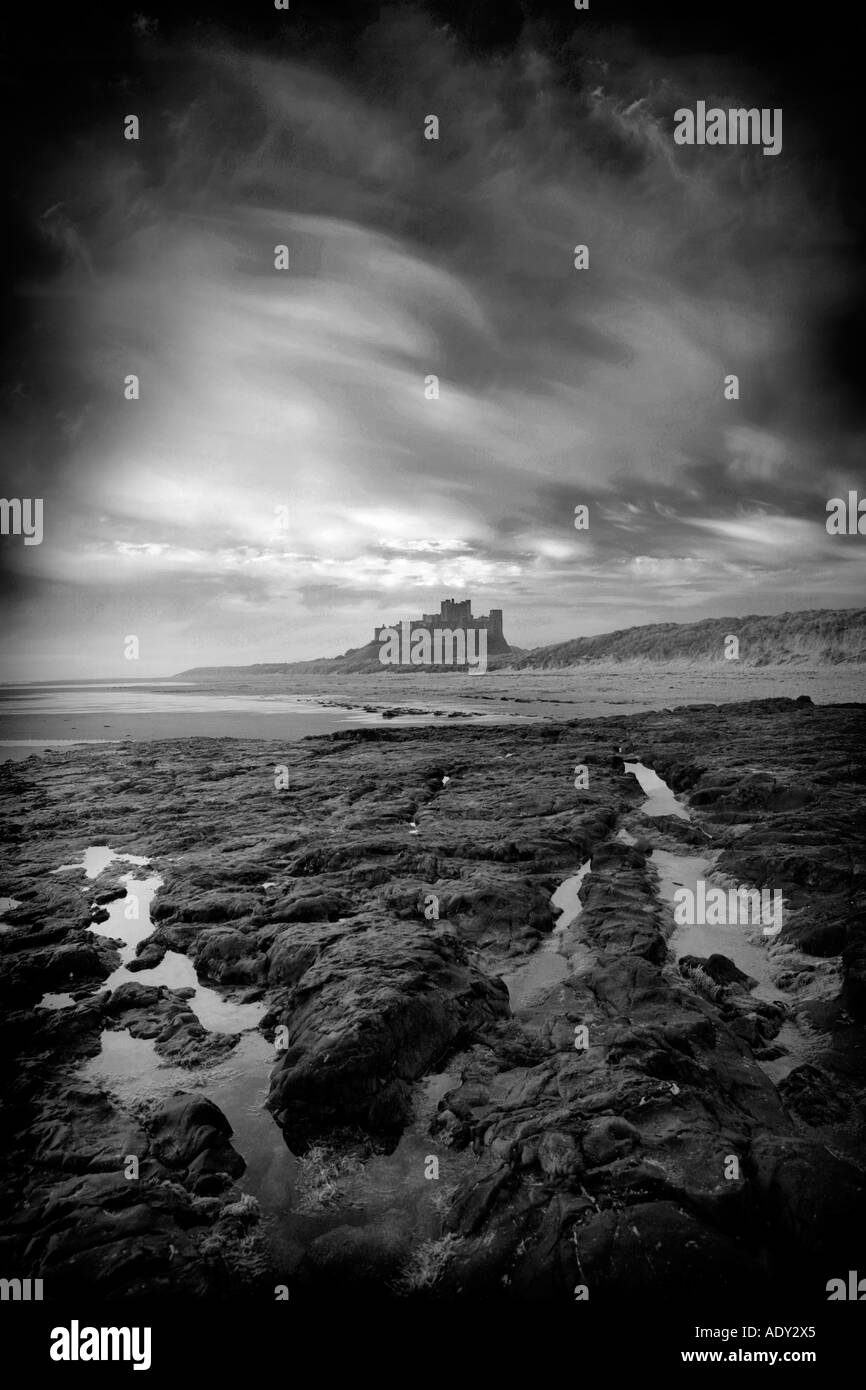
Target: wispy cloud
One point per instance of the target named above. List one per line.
(284, 447)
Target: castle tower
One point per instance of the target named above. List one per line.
(458, 613)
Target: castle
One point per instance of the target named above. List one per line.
(456, 615)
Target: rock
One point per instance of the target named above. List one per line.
(373, 1015)
(229, 956)
(74, 962)
(814, 1096)
(558, 1154)
(821, 933)
(109, 895)
(657, 1246)
(86, 1133)
(720, 969)
(203, 907)
(149, 955)
(611, 1155)
(748, 1029)
(189, 1131)
(854, 966)
(295, 950)
(812, 1204)
(131, 995)
(310, 906)
(483, 909)
(608, 1139)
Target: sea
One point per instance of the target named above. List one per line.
(40, 716)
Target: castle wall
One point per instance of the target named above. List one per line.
(457, 614)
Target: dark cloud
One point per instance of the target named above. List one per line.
(283, 469)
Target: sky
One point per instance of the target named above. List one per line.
(284, 484)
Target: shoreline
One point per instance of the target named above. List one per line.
(264, 709)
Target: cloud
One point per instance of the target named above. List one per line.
(754, 453)
(283, 450)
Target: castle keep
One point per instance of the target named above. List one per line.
(456, 615)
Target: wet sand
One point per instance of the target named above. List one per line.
(291, 708)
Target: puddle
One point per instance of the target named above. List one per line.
(395, 1183)
(529, 985)
(239, 1086)
(386, 1189)
(96, 859)
(56, 1001)
(567, 899)
(800, 1045)
(660, 799)
(133, 1070)
(746, 948)
(213, 1010)
(534, 980)
(129, 920)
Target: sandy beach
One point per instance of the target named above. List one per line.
(36, 717)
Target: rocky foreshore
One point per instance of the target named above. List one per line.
(621, 1134)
